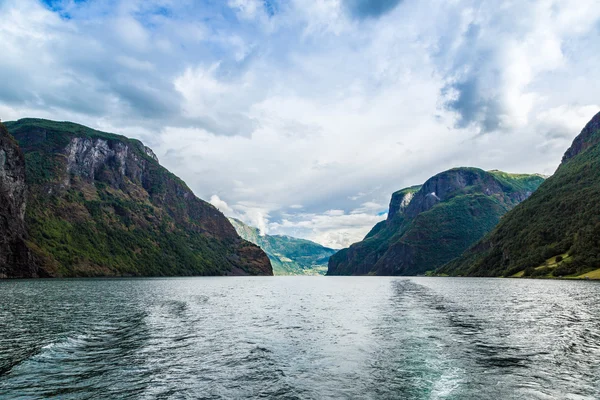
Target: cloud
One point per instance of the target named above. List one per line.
(221, 205)
(247, 9)
(562, 121)
(334, 228)
(254, 215)
(370, 8)
(211, 102)
(494, 58)
(303, 117)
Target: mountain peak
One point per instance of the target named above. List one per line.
(100, 204)
(589, 136)
(429, 225)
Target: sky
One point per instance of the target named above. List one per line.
(302, 117)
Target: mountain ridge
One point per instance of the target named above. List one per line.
(288, 255)
(430, 224)
(553, 233)
(100, 204)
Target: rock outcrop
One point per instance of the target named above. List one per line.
(556, 231)
(431, 224)
(589, 137)
(15, 258)
(400, 201)
(101, 205)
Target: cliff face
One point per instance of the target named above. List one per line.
(101, 205)
(15, 259)
(589, 137)
(400, 201)
(288, 255)
(561, 219)
(431, 224)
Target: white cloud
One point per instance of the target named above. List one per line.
(303, 120)
(254, 215)
(131, 33)
(132, 63)
(221, 205)
(334, 228)
(494, 61)
(247, 9)
(562, 121)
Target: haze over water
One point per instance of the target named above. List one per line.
(300, 338)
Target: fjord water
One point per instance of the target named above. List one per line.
(300, 337)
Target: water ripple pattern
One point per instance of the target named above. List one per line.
(299, 338)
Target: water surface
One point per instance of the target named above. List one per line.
(300, 338)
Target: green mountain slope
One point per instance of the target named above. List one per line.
(561, 219)
(288, 255)
(431, 224)
(100, 204)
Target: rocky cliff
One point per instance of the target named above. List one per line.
(15, 259)
(100, 204)
(589, 137)
(431, 224)
(555, 232)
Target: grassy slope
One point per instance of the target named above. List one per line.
(97, 228)
(288, 255)
(561, 217)
(436, 236)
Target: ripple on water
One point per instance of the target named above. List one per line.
(300, 338)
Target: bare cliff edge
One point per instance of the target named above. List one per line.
(15, 259)
(100, 204)
(431, 224)
(555, 232)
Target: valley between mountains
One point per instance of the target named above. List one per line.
(76, 202)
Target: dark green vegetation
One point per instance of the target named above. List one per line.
(100, 204)
(556, 232)
(288, 255)
(15, 259)
(431, 224)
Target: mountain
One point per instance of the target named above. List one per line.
(431, 224)
(288, 255)
(15, 258)
(556, 232)
(100, 204)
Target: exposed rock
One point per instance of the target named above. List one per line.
(150, 153)
(445, 185)
(15, 258)
(431, 224)
(100, 204)
(588, 137)
(400, 201)
(560, 219)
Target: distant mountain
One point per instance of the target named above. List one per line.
(288, 255)
(556, 232)
(431, 224)
(100, 204)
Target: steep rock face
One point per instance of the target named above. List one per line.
(101, 205)
(400, 201)
(561, 219)
(589, 137)
(288, 255)
(15, 259)
(429, 225)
